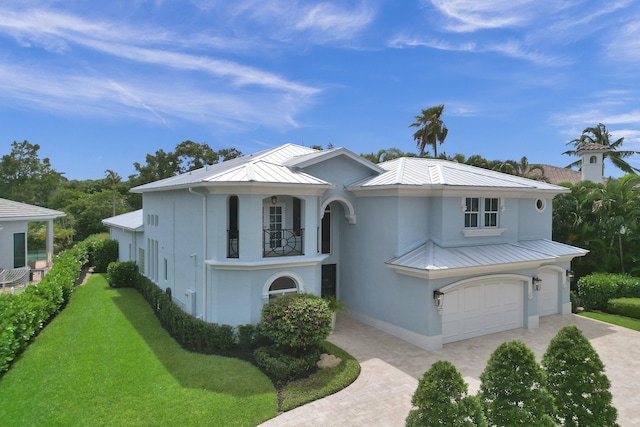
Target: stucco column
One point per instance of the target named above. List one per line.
(49, 244)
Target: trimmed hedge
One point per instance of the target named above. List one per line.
(629, 307)
(282, 367)
(102, 252)
(23, 315)
(122, 274)
(191, 333)
(597, 289)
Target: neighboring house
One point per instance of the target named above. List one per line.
(14, 225)
(428, 250)
(591, 167)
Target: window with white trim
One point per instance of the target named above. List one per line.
(480, 207)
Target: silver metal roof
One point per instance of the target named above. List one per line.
(129, 221)
(16, 211)
(432, 257)
(413, 171)
(263, 167)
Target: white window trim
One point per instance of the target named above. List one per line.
(267, 285)
(482, 230)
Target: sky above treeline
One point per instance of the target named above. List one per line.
(98, 85)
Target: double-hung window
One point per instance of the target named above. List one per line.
(481, 212)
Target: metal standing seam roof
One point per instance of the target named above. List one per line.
(412, 171)
(263, 167)
(16, 211)
(133, 221)
(432, 257)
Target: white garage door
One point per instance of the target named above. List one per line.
(548, 298)
(482, 308)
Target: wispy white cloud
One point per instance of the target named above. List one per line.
(159, 93)
(472, 15)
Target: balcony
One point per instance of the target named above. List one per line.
(283, 242)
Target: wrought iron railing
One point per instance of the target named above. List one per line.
(233, 244)
(284, 242)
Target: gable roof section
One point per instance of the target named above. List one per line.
(432, 261)
(16, 211)
(436, 173)
(324, 155)
(267, 167)
(132, 221)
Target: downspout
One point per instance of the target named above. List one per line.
(204, 252)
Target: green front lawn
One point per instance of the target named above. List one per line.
(627, 322)
(105, 360)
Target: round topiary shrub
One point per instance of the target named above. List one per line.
(296, 322)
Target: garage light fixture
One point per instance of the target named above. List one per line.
(438, 298)
(537, 282)
(274, 200)
(570, 274)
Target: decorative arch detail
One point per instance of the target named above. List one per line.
(350, 212)
(291, 275)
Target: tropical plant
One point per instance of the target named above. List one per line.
(524, 169)
(575, 377)
(431, 129)
(442, 399)
(600, 136)
(512, 388)
(113, 179)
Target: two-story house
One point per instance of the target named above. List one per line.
(428, 250)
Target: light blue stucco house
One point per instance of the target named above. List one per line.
(428, 250)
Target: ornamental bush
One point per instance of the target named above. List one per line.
(442, 399)
(103, 252)
(296, 322)
(512, 388)
(282, 367)
(576, 379)
(122, 274)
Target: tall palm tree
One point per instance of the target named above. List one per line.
(114, 179)
(599, 135)
(431, 129)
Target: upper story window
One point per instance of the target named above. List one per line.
(485, 208)
(482, 216)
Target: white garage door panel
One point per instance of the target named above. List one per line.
(548, 298)
(481, 309)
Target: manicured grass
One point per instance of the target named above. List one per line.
(322, 383)
(105, 360)
(627, 322)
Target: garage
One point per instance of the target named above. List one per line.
(548, 298)
(481, 308)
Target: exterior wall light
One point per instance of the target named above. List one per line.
(570, 274)
(274, 199)
(537, 282)
(438, 298)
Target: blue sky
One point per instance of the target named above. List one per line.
(98, 85)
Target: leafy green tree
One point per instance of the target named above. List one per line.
(442, 399)
(431, 129)
(576, 379)
(600, 136)
(24, 177)
(512, 388)
(385, 155)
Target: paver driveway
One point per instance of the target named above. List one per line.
(381, 396)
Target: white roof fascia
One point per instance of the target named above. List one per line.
(267, 263)
(267, 188)
(454, 272)
(449, 191)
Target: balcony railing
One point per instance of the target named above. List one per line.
(233, 244)
(284, 242)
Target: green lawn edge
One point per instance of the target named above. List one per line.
(614, 319)
(323, 383)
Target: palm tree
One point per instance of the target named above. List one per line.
(599, 135)
(431, 129)
(524, 169)
(114, 179)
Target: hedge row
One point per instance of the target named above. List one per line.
(629, 307)
(597, 289)
(23, 315)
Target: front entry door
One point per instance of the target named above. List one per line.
(329, 287)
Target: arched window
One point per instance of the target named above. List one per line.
(282, 285)
(326, 231)
(593, 159)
